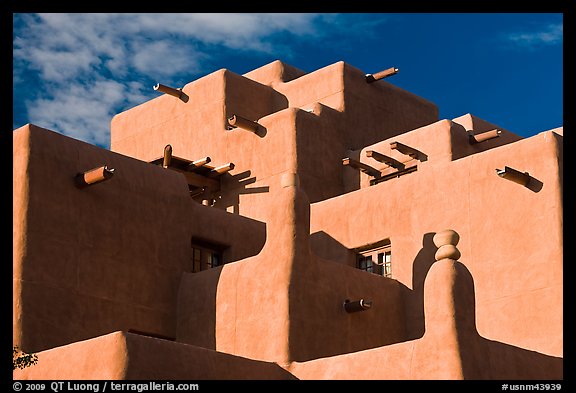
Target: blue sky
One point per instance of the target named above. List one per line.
(73, 72)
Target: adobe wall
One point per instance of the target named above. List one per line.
(120, 252)
(444, 140)
(126, 356)
(450, 349)
(512, 234)
(110, 256)
(275, 306)
(350, 113)
(373, 111)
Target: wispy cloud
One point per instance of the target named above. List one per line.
(81, 111)
(90, 66)
(551, 34)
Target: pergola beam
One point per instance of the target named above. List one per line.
(384, 159)
(370, 171)
(198, 163)
(218, 171)
(409, 151)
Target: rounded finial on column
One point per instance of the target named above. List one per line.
(446, 242)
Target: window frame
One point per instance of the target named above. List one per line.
(206, 255)
(380, 256)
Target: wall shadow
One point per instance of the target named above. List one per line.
(236, 185)
(326, 247)
(351, 176)
(534, 184)
(414, 298)
(507, 361)
(196, 318)
(482, 359)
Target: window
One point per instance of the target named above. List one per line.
(385, 260)
(376, 258)
(205, 256)
(213, 259)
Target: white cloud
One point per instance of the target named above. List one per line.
(80, 110)
(65, 45)
(90, 66)
(551, 34)
(165, 58)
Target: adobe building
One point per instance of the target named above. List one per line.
(289, 225)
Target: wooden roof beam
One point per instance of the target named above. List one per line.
(93, 176)
(167, 158)
(198, 163)
(178, 93)
(370, 78)
(483, 136)
(236, 121)
(218, 171)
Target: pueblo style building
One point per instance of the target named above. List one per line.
(289, 225)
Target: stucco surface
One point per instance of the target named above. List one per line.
(519, 281)
(108, 257)
(126, 356)
(290, 219)
(450, 349)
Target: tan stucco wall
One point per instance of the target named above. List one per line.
(275, 306)
(126, 356)
(195, 128)
(444, 140)
(110, 256)
(450, 349)
(117, 255)
(372, 111)
(347, 114)
(518, 274)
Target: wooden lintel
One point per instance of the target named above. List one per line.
(384, 159)
(407, 150)
(370, 171)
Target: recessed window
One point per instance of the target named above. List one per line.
(376, 258)
(205, 255)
